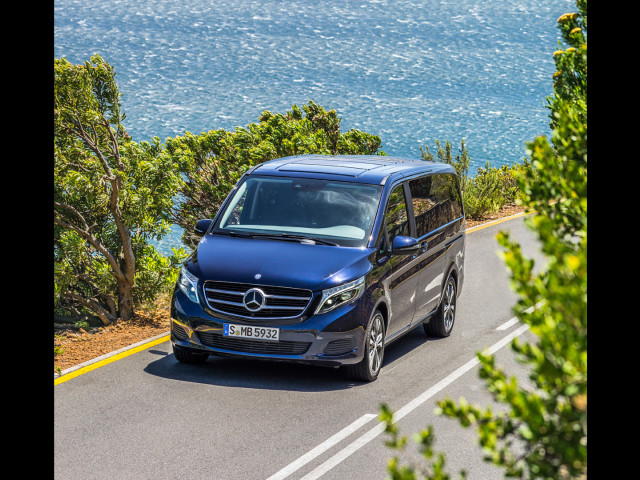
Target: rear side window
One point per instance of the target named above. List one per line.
(436, 201)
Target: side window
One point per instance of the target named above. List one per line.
(455, 197)
(234, 211)
(395, 218)
(435, 202)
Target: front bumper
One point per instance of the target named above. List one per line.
(331, 339)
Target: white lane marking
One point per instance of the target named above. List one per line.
(345, 452)
(508, 324)
(515, 320)
(324, 446)
(409, 407)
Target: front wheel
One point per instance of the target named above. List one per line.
(367, 370)
(442, 322)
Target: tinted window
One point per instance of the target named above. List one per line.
(342, 212)
(435, 201)
(395, 219)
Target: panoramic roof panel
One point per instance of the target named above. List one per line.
(319, 168)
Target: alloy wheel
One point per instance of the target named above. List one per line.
(449, 306)
(376, 344)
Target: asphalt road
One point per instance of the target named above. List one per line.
(147, 416)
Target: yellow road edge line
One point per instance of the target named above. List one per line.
(496, 222)
(118, 356)
(101, 363)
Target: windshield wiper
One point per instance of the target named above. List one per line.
(275, 236)
(302, 237)
(233, 233)
(288, 236)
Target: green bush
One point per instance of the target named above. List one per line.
(482, 195)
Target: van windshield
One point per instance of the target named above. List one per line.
(326, 211)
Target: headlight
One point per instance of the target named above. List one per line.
(188, 283)
(335, 297)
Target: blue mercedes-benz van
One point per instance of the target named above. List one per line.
(324, 260)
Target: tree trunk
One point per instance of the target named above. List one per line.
(125, 301)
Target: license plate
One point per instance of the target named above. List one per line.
(245, 331)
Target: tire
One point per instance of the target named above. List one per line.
(186, 356)
(442, 322)
(368, 368)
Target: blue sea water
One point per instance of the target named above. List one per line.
(409, 71)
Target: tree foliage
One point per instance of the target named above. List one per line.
(215, 160)
(111, 195)
(543, 432)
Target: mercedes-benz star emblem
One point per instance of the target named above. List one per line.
(254, 299)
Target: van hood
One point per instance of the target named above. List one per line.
(278, 262)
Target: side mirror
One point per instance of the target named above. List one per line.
(202, 226)
(404, 245)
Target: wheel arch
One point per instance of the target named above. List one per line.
(452, 270)
(384, 310)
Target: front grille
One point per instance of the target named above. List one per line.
(280, 302)
(253, 346)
